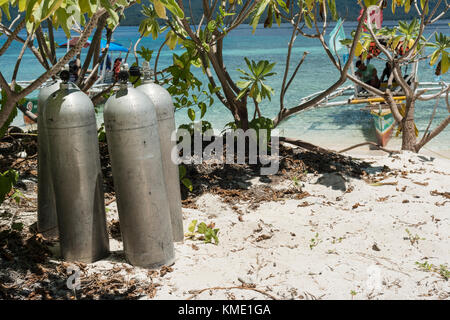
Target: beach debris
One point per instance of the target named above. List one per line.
(263, 237)
(356, 205)
(22, 155)
(349, 189)
(379, 184)
(441, 204)
(164, 270)
(114, 229)
(375, 247)
(443, 194)
(421, 183)
(304, 204)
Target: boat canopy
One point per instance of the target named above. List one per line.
(113, 46)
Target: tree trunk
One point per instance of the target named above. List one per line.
(8, 107)
(408, 128)
(242, 112)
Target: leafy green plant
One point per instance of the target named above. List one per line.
(429, 267)
(314, 242)
(145, 53)
(190, 127)
(101, 133)
(262, 123)
(441, 45)
(184, 180)
(425, 266)
(17, 196)
(253, 81)
(207, 232)
(7, 181)
(414, 239)
(296, 183)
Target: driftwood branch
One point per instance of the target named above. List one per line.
(368, 143)
(305, 145)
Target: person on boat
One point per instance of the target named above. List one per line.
(386, 73)
(108, 61)
(367, 74)
(116, 68)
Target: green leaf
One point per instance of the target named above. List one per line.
(308, 21)
(434, 57)
(7, 180)
(259, 10)
(191, 114)
(173, 7)
(187, 183)
(192, 225)
(202, 107)
(202, 228)
(212, 25)
(444, 62)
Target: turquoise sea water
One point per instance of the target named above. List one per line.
(343, 125)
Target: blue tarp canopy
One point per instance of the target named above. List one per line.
(113, 46)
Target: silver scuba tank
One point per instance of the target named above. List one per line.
(74, 160)
(166, 123)
(133, 143)
(47, 220)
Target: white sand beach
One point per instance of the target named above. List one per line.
(349, 239)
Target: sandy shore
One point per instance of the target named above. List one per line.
(348, 240)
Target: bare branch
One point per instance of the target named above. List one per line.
(343, 77)
(19, 59)
(12, 36)
(430, 122)
(433, 134)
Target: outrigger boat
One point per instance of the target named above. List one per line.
(383, 119)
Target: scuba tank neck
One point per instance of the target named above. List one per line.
(146, 72)
(65, 76)
(123, 77)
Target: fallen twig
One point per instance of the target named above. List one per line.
(23, 160)
(24, 134)
(197, 292)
